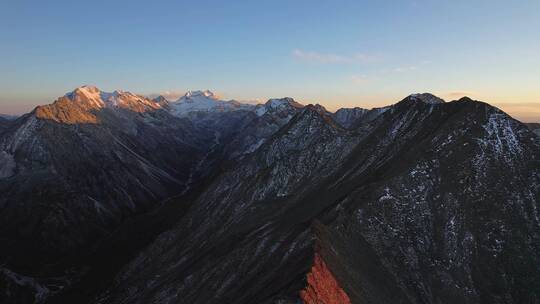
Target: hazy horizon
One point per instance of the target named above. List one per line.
(338, 54)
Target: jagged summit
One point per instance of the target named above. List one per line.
(318, 108)
(285, 104)
(82, 105)
(198, 96)
(85, 88)
(466, 99)
(278, 102)
(160, 99)
(320, 112)
(101, 98)
(425, 97)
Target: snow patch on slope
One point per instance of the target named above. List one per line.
(501, 141)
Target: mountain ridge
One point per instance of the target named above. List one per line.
(291, 217)
(399, 204)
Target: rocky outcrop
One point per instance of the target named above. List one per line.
(535, 127)
(349, 117)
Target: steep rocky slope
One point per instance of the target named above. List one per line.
(348, 117)
(4, 123)
(419, 202)
(430, 202)
(535, 127)
(235, 198)
(441, 216)
(72, 171)
(75, 170)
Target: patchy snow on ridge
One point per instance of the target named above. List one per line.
(500, 138)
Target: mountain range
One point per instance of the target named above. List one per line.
(120, 198)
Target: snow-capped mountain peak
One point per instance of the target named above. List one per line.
(278, 102)
(82, 104)
(204, 101)
(205, 93)
(86, 93)
(88, 89)
(277, 105)
(95, 98)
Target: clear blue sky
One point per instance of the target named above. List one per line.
(337, 53)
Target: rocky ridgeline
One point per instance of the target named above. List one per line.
(209, 201)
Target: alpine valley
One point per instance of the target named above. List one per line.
(119, 198)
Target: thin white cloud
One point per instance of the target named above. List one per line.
(329, 58)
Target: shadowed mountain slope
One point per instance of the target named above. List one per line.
(207, 201)
(427, 203)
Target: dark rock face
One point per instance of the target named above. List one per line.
(407, 209)
(349, 117)
(5, 123)
(535, 127)
(66, 184)
(420, 202)
(442, 216)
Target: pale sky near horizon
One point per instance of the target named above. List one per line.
(336, 53)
